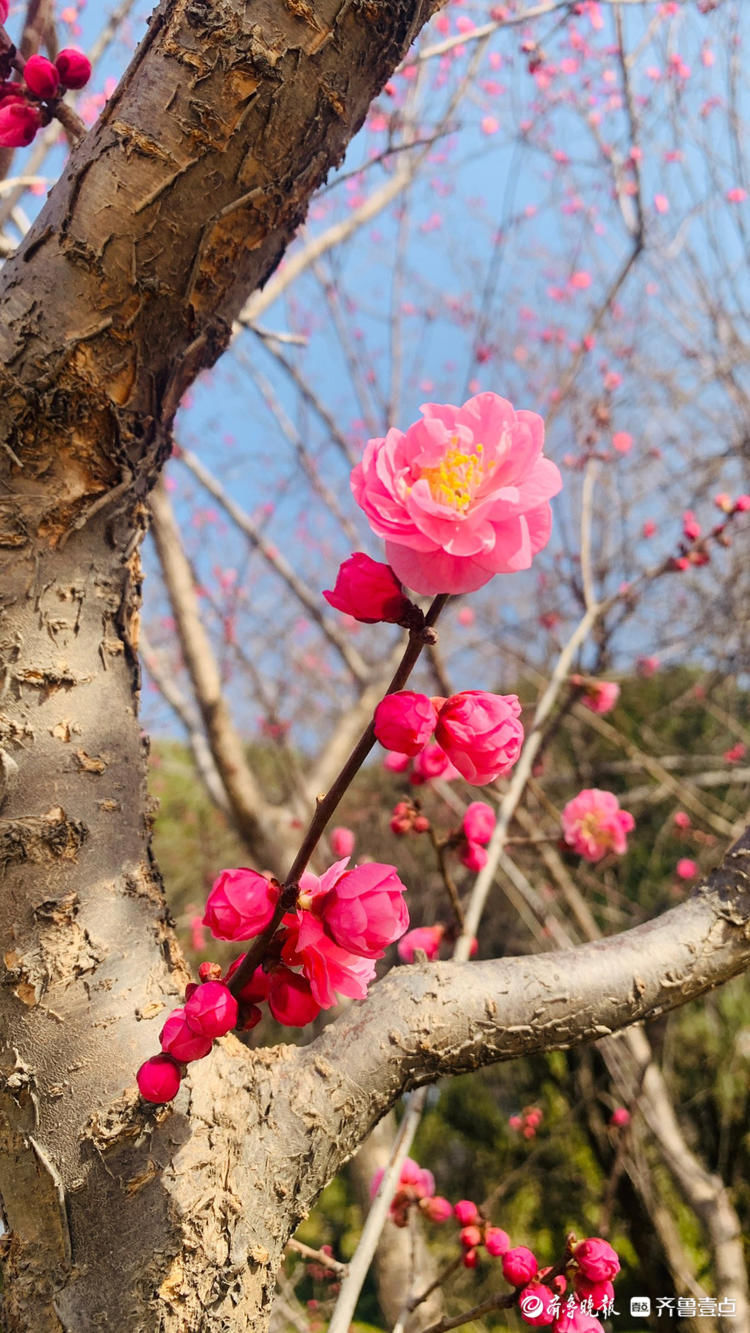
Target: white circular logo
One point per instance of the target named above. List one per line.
(531, 1305)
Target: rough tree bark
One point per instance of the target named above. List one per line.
(173, 209)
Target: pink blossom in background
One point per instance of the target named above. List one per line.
(647, 666)
(240, 905)
(620, 1117)
(600, 696)
(342, 841)
(365, 910)
(622, 442)
(490, 125)
(329, 968)
(437, 1209)
(473, 856)
(593, 824)
(580, 281)
(461, 495)
(369, 591)
(478, 822)
(426, 938)
(736, 195)
(735, 754)
(396, 763)
(418, 1180)
(197, 934)
(661, 203)
(681, 819)
(686, 869)
(481, 734)
(691, 528)
(649, 528)
(432, 763)
(466, 1212)
(466, 615)
(405, 721)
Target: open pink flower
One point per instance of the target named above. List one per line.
(461, 495)
(329, 969)
(539, 1305)
(593, 824)
(481, 734)
(365, 910)
(405, 721)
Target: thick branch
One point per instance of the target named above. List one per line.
(424, 1022)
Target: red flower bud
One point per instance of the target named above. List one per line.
(19, 123)
(41, 77)
(74, 68)
(369, 591)
(158, 1079)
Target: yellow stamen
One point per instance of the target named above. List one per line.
(456, 480)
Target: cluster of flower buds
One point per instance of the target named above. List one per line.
(600, 696)
(28, 105)
(407, 817)
(694, 548)
(476, 830)
(341, 922)
(528, 1122)
(590, 1265)
(479, 732)
(593, 824)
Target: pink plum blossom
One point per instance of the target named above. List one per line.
(622, 441)
(425, 938)
(519, 1266)
(686, 869)
(593, 824)
(179, 1040)
(342, 841)
(600, 696)
(240, 905)
(369, 591)
(461, 495)
(466, 1212)
(681, 819)
(620, 1117)
(158, 1079)
(330, 969)
(432, 763)
(290, 998)
(41, 76)
(405, 721)
(19, 123)
(365, 910)
(478, 822)
(481, 734)
(597, 1259)
(437, 1209)
(473, 856)
(538, 1305)
(496, 1241)
(73, 67)
(211, 1010)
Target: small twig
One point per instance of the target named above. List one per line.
(319, 1256)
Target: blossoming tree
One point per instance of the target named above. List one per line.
(168, 1203)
